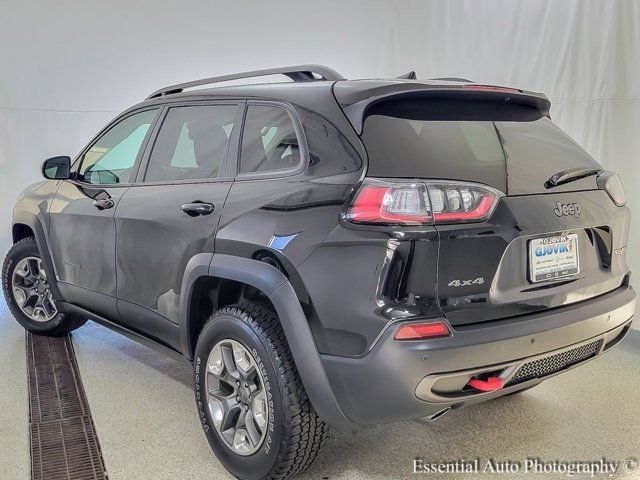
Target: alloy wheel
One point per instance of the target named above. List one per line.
(31, 290)
(236, 397)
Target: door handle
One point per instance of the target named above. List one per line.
(103, 204)
(196, 209)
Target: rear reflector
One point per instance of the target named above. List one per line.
(425, 202)
(421, 331)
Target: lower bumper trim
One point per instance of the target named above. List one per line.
(545, 366)
(454, 387)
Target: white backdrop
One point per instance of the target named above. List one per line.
(67, 67)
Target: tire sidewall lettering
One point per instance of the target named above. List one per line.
(6, 280)
(268, 441)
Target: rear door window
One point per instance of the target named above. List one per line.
(192, 144)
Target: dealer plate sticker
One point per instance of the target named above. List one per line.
(553, 257)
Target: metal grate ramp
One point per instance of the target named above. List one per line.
(64, 444)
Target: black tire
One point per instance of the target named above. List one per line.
(295, 434)
(62, 323)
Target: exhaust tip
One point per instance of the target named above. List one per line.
(439, 414)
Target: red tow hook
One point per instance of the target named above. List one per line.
(491, 384)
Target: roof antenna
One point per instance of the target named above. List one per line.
(408, 76)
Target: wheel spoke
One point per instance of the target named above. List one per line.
(229, 409)
(47, 307)
(242, 360)
(230, 419)
(32, 267)
(252, 429)
(250, 375)
(39, 313)
(241, 421)
(259, 409)
(242, 441)
(22, 271)
(229, 361)
(41, 272)
(31, 297)
(21, 294)
(216, 362)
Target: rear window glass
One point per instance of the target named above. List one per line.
(399, 147)
(471, 141)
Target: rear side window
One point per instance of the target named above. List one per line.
(269, 141)
(192, 144)
(111, 158)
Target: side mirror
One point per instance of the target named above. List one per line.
(57, 168)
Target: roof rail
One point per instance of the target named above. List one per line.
(298, 73)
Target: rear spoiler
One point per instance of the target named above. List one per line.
(356, 104)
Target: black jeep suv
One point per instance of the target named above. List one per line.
(330, 251)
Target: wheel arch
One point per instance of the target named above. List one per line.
(26, 225)
(282, 296)
(21, 231)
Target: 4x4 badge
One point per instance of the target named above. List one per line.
(567, 209)
(466, 283)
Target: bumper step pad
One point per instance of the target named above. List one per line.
(64, 443)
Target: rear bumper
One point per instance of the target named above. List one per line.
(407, 380)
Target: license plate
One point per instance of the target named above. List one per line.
(553, 257)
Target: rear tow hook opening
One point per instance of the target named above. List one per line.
(486, 383)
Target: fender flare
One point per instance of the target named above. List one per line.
(292, 318)
(33, 222)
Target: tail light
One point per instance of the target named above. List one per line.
(611, 183)
(425, 202)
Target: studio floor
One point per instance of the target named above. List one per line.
(143, 409)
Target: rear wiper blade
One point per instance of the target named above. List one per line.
(566, 176)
